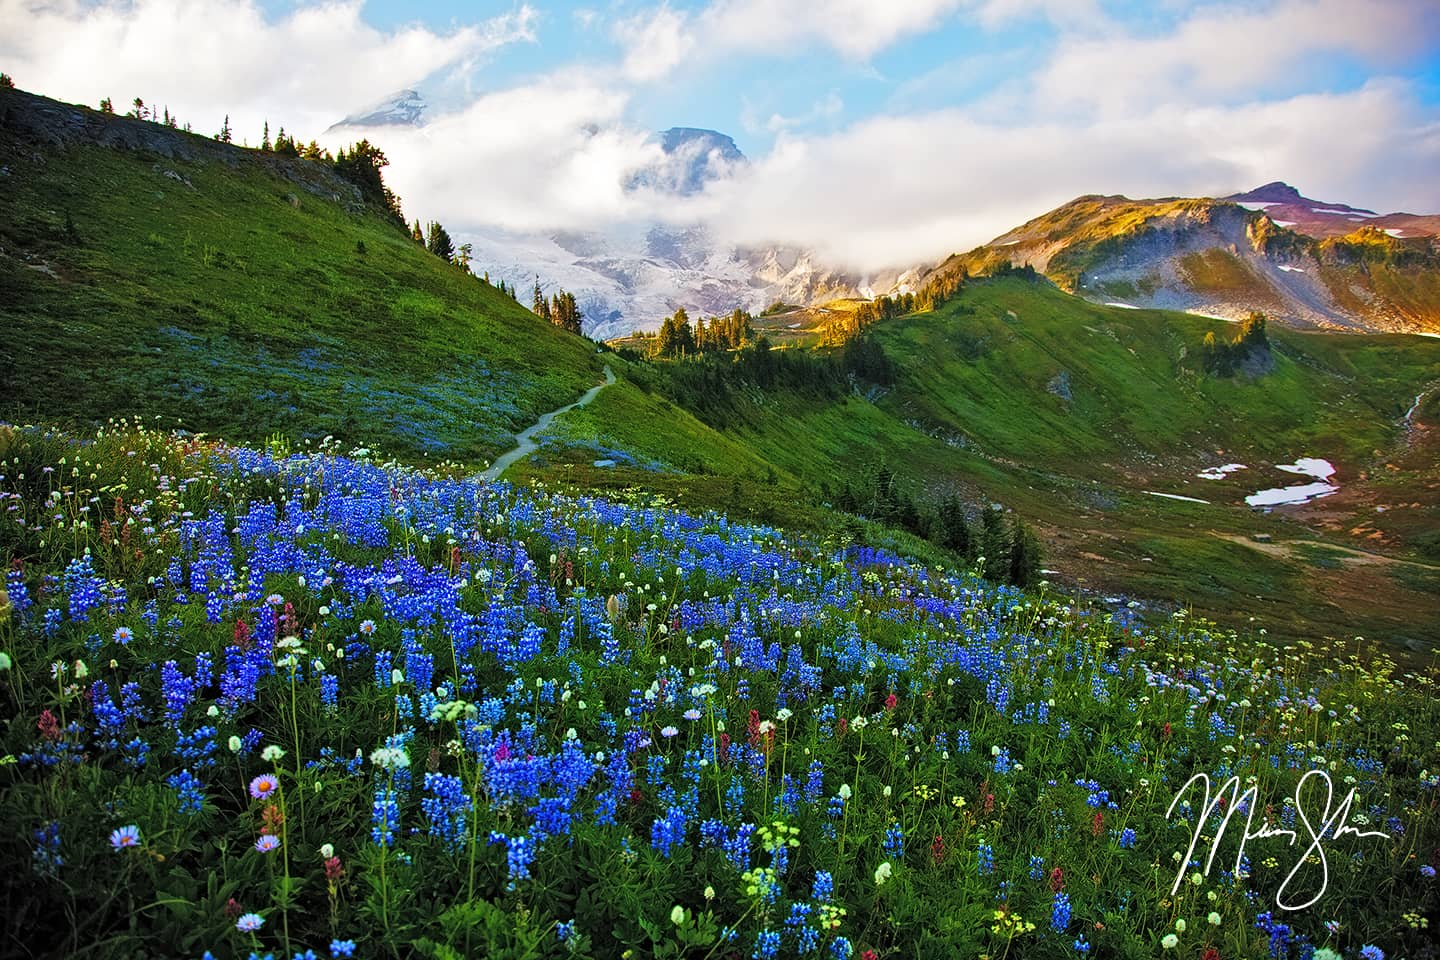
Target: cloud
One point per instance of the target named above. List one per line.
(826, 108)
(208, 58)
(654, 44)
(895, 191)
(1224, 52)
(549, 155)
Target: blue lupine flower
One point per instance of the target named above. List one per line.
(1060, 913)
(987, 858)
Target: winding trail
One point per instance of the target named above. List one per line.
(525, 439)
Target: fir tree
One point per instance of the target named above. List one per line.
(224, 136)
(952, 532)
(438, 242)
(994, 545)
(107, 107)
(6, 82)
(1024, 555)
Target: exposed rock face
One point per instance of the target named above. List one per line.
(1224, 259)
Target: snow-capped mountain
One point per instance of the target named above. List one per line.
(631, 277)
(406, 108)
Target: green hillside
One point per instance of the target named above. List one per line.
(1073, 414)
(249, 294)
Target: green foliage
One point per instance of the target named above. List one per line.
(438, 242)
(362, 166)
(1248, 348)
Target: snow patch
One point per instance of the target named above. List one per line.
(1253, 205)
(1321, 470)
(1289, 269)
(1211, 316)
(1309, 467)
(1117, 303)
(1175, 496)
(1277, 496)
(1218, 473)
(1284, 223)
(1395, 231)
(1007, 243)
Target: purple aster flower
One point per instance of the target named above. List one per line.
(267, 842)
(125, 837)
(263, 785)
(249, 923)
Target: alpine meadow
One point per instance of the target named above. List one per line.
(971, 509)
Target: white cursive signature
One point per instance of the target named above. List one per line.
(1330, 822)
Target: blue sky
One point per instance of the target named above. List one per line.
(876, 131)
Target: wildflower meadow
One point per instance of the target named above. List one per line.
(304, 703)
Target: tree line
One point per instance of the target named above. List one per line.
(678, 338)
(559, 310)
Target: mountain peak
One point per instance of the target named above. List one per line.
(402, 108)
(693, 158)
(1277, 191)
(679, 138)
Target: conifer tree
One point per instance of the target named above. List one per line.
(994, 545)
(106, 106)
(438, 242)
(953, 532)
(417, 233)
(1024, 555)
(224, 136)
(6, 82)
(265, 138)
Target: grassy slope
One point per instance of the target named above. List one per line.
(244, 306)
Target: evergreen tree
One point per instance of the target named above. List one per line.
(265, 138)
(438, 242)
(994, 545)
(464, 255)
(362, 167)
(137, 109)
(539, 304)
(224, 136)
(1024, 555)
(952, 532)
(107, 107)
(6, 82)
(285, 145)
(417, 232)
